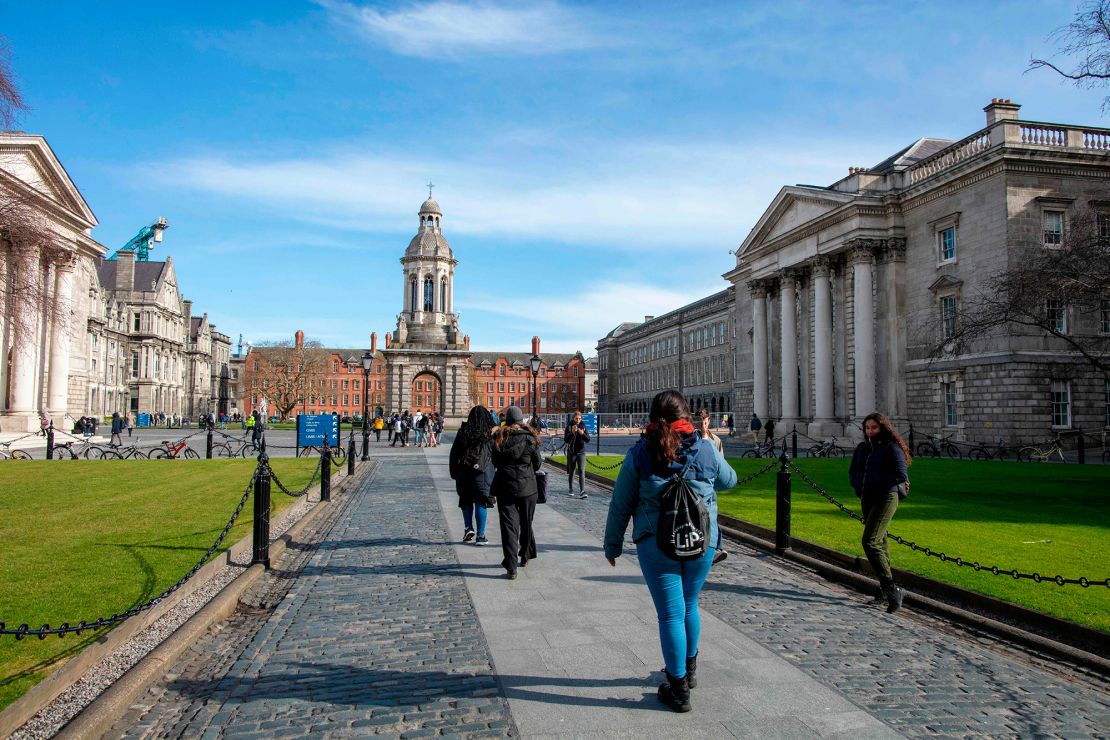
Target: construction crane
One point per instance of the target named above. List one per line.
(145, 240)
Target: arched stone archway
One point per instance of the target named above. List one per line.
(427, 392)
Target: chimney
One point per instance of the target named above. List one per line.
(125, 269)
(466, 342)
(298, 339)
(188, 311)
(373, 342)
(648, 318)
(1001, 109)
(388, 339)
(535, 345)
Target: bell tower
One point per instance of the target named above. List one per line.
(428, 274)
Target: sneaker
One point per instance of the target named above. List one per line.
(481, 541)
(584, 495)
(468, 535)
(721, 555)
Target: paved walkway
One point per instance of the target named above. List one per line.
(393, 628)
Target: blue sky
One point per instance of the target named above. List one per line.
(594, 162)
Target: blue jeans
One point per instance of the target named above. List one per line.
(472, 512)
(419, 436)
(674, 588)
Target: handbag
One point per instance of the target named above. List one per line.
(903, 490)
(541, 486)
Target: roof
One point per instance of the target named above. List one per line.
(912, 154)
(550, 359)
(621, 329)
(146, 274)
(429, 242)
(430, 206)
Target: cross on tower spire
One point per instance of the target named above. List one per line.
(430, 186)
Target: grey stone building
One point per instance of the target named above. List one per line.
(207, 367)
(837, 288)
(691, 349)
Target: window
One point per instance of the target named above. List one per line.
(346, 399)
(334, 367)
(134, 364)
(1104, 316)
(501, 402)
(429, 292)
(1053, 228)
(412, 294)
(137, 324)
(948, 316)
(500, 387)
(1061, 403)
(443, 295)
(500, 369)
(576, 371)
(949, 389)
(946, 244)
(512, 387)
(346, 385)
(1057, 315)
(1102, 225)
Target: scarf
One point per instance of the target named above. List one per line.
(682, 426)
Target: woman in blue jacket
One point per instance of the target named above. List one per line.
(668, 447)
(878, 475)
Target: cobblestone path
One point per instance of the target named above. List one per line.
(376, 635)
(912, 671)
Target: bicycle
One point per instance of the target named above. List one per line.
(828, 448)
(174, 450)
(982, 452)
(554, 444)
(85, 449)
(7, 453)
(246, 448)
(767, 449)
(936, 446)
(338, 454)
(119, 452)
(1031, 452)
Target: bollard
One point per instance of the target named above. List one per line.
(599, 434)
(261, 549)
(208, 445)
(325, 472)
(911, 438)
(50, 441)
(782, 508)
(794, 444)
(351, 455)
(1082, 449)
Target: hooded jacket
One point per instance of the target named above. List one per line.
(473, 486)
(515, 463)
(640, 484)
(876, 468)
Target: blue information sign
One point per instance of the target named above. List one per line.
(142, 420)
(312, 429)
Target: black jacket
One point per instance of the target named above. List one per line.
(516, 464)
(576, 442)
(876, 468)
(471, 484)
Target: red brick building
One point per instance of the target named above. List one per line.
(505, 379)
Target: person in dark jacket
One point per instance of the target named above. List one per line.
(117, 429)
(516, 458)
(878, 473)
(577, 437)
(469, 465)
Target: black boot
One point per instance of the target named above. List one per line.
(894, 594)
(880, 599)
(692, 672)
(675, 693)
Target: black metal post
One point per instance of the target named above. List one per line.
(208, 443)
(261, 549)
(911, 439)
(325, 471)
(598, 413)
(50, 441)
(782, 508)
(1082, 449)
(794, 443)
(366, 414)
(351, 455)
(535, 409)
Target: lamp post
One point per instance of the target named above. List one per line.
(535, 363)
(367, 361)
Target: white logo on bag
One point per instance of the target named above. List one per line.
(687, 538)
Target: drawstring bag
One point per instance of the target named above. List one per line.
(682, 531)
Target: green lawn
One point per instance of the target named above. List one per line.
(1043, 518)
(88, 539)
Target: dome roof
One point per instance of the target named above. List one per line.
(429, 243)
(430, 206)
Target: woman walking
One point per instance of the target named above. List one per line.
(878, 474)
(516, 458)
(670, 447)
(469, 465)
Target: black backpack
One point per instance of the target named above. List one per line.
(682, 532)
(475, 457)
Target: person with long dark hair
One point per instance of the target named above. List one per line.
(878, 474)
(469, 462)
(670, 446)
(516, 458)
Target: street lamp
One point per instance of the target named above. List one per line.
(535, 363)
(367, 361)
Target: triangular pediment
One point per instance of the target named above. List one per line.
(944, 282)
(28, 161)
(794, 206)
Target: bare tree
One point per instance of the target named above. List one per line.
(11, 99)
(473, 386)
(284, 374)
(1088, 38)
(1061, 291)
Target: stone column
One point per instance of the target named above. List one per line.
(789, 344)
(22, 409)
(759, 349)
(57, 395)
(823, 424)
(863, 258)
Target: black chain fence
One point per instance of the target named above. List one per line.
(296, 494)
(975, 565)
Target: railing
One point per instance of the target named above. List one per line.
(973, 145)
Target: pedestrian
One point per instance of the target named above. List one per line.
(769, 430)
(434, 428)
(516, 458)
(397, 426)
(878, 473)
(420, 423)
(117, 430)
(130, 424)
(256, 428)
(754, 426)
(576, 437)
(670, 447)
(469, 461)
(730, 419)
(389, 426)
(707, 433)
(249, 424)
(379, 424)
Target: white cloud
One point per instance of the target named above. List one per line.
(444, 28)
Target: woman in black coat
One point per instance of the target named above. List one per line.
(469, 465)
(516, 458)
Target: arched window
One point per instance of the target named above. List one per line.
(443, 295)
(428, 294)
(412, 294)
